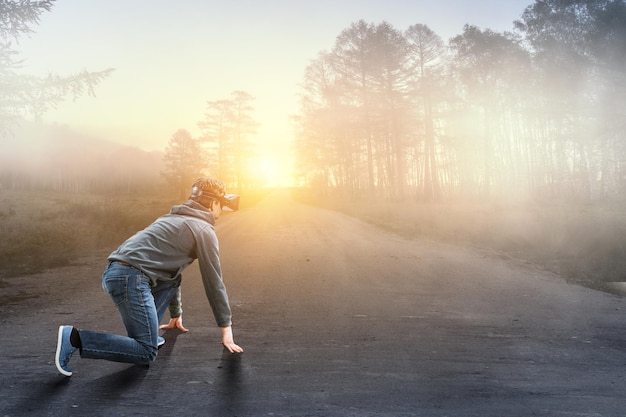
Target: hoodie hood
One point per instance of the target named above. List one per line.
(194, 209)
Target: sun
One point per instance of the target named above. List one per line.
(273, 169)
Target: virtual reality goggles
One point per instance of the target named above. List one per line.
(227, 200)
(231, 201)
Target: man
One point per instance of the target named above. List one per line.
(144, 273)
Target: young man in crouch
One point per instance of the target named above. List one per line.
(144, 273)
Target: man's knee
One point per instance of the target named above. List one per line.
(150, 356)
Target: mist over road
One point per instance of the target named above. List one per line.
(338, 318)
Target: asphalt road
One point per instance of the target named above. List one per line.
(337, 318)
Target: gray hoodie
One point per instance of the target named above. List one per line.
(170, 244)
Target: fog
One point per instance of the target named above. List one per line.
(397, 112)
(54, 158)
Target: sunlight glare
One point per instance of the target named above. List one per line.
(274, 169)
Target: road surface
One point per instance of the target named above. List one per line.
(337, 318)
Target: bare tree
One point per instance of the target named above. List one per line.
(428, 55)
(314, 124)
(536, 112)
(489, 67)
(217, 133)
(356, 110)
(227, 127)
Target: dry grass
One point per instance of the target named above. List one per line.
(42, 230)
(45, 230)
(584, 244)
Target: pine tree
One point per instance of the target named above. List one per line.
(184, 161)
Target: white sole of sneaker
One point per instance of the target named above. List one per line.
(58, 353)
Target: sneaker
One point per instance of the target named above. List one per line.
(160, 342)
(64, 350)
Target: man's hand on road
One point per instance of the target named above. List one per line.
(228, 341)
(175, 323)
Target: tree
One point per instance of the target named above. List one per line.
(607, 43)
(315, 125)
(227, 127)
(532, 113)
(217, 132)
(244, 126)
(489, 68)
(428, 60)
(356, 111)
(579, 50)
(21, 94)
(183, 160)
(392, 77)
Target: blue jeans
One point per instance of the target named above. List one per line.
(141, 308)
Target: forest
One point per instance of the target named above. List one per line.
(533, 114)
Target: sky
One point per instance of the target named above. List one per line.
(172, 57)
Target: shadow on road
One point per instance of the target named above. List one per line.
(230, 385)
(55, 393)
(40, 398)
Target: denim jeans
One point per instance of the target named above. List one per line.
(141, 308)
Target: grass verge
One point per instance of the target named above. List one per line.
(584, 244)
(43, 230)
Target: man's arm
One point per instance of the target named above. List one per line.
(211, 272)
(176, 313)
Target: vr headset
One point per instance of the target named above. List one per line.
(227, 200)
(231, 201)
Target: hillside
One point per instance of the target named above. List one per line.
(58, 158)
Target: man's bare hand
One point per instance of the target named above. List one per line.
(228, 341)
(175, 323)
